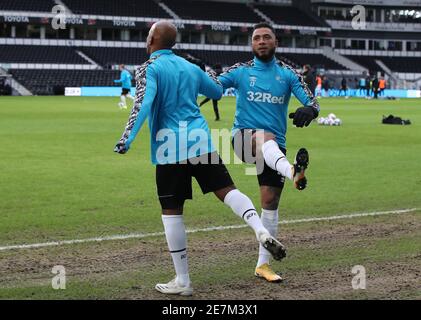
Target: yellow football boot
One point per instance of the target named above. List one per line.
(266, 272)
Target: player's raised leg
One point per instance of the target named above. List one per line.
(242, 206)
(300, 165)
(265, 143)
(214, 177)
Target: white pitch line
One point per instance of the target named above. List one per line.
(154, 234)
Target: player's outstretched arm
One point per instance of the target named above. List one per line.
(119, 80)
(146, 89)
(310, 110)
(210, 86)
(229, 78)
(123, 146)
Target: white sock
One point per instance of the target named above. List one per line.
(275, 159)
(129, 96)
(270, 222)
(175, 233)
(244, 208)
(123, 100)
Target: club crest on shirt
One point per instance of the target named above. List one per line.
(279, 79)
(252, 81)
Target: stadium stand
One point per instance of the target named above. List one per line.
(27, 5)
(411, 19)
(112, 56)
(229, 58)
(39, 54)
(313, 60)
(397, 64)
(366, 61)
(213, 24)
(289, 16)
(403, 64)
(50, 82)
(225, 58)
(125, 8)
(214, 11)
(288, 61)
(135, 56)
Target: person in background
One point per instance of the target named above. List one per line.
(382, 85)
(361, 85)
(368, 86)
(344, 88)
(319, 86)
(375, 87)
(309, 78)
(326, 86)
(126, 85)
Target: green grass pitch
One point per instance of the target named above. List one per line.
(61, 180)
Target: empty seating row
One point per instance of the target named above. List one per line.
(27, 5)
(289, 16)
(213, 11)
(129, 8)
(39, 54)
(397, 64)
(47, 82)
(113, 56)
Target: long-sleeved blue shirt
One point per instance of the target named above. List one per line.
(263, 91)
(125, 79)
(167, 87)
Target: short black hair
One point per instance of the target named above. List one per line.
(263, 25)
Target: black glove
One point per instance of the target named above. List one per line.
(120, 148)
(303, 116)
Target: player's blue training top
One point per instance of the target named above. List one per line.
(362, 82)
(263, 94)
(125, 79)
(167, 87)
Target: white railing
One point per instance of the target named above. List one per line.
(60, 66)
(151, 20)
(381, 53)
(142, 45)
(377, 26)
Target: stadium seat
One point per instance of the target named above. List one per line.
(27, 5)
(289, 16)
(215, 11)
(397, 64)
(225, 58)
(144, 8)
(39, 54)
(50, 82)
(315, 60)
(113, 56)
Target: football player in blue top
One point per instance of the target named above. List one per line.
(167, 87)
(126, 85)
(264, 87)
